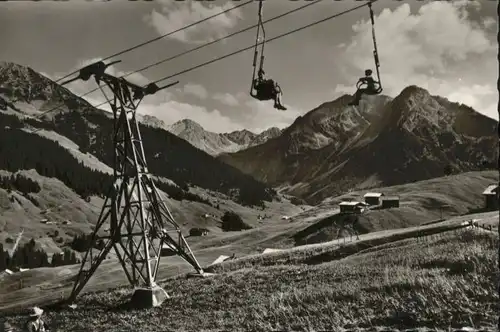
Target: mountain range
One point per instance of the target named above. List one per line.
(56, 170)
(336, 148)
(59, 143)
(333, 149)
(215, 143)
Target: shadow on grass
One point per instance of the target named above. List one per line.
(353, 248)
(401, 319)
(347, 224)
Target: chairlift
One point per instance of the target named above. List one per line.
(373, 87)
(263, 89)
(379, 88)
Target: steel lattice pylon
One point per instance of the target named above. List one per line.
(140, 223)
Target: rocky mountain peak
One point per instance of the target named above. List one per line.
(415, 108)
(186, 126)
(335, 147)
(22, 84)
(332, 122)
(151, 120)
(242, 137)
(15, 70)
(271, 131)
(264, 136)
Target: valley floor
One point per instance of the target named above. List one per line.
(435, 281)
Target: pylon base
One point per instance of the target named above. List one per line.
(148, 297)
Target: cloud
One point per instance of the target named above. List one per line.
(237, 111)
(464, 5)
(261, 115)
(226, 99)
(170, 111)
(489, 22)
(196, 90)
(161, 105)
(255, 115)
(173, 111)
(176, 15)
(483, 96)
(438, 48)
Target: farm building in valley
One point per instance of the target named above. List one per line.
(491, 197)
(352, 207)
(373, 198)
(390, 202)
(198, 232)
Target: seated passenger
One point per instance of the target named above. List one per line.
(370, 89)
(268, 89)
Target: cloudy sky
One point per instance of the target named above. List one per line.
(448, 48)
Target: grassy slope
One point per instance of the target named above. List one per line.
(446, 280)
(420, 203)
(86, 158)
(274, 233)
(461, 192)
(64, 204)
(55, 202)
(40, 286)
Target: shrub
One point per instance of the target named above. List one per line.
(233, 222)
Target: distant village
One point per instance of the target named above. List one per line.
(377, 201)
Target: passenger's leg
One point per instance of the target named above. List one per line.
(279, 97)
(277, 100)
(357, 97)
(371, 92)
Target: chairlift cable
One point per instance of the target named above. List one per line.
(221, 38)
(270, 40)
(250, 47)
(375, 52)
(189, 51)
(162, 36)
(263, 36)
(260, 26)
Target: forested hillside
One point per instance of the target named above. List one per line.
(166, 155)
(21, 149)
